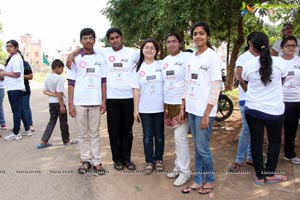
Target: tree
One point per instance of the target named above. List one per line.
(140, 19)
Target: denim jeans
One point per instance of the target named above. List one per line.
(257, 128)
(2, 116)
(244, 147)
(15, 99)
(203, 156)
(153, 128)
(26, 111)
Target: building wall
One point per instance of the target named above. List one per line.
(32, 50)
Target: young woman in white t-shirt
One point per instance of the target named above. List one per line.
(291, 97)
(203, 79)
(173, 72)
(14, 82)
(147, 84)
(264, 108)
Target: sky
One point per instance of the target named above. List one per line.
(56, 22)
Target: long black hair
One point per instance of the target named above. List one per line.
(260, 43)
(142, 57)
(249, 37)
(15, 44)
(205, 28)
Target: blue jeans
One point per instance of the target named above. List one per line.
(2, 116)
(153, 127)
(203, 157)
(26, 111)
(244, 147)
(15, 98)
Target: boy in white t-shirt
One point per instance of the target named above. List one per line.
(54, 88)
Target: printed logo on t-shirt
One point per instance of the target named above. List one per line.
(297, 67)
(118, 65)
(165, 66)
(111, 58)
(124, 60)
(82, 64)
(291, 73)
(170, 72)
(194, 76)
(178, 63)
(90, 70)
(152, 77)
(203, 67)
(142, 73)
(98, 63)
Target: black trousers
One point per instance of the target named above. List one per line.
(119, 123)
(291, 120)
(256, 127)
(63, 120)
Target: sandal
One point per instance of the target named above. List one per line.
(235, 167)
(148, 169)
(250, 162)
(208, 190)
(276, 179)
(118, 166)
(130, 165)
(99, 169)
(258, 181)
(43, 145)
(84, 168)
(189, 189)
(159, 166)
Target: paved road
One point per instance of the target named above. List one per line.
(50, 174)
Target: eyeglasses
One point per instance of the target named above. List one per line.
(290, 46)
(172, 42)
(87, 38)
(9, 46)
(149, 48)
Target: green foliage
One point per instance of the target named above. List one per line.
(3, 54)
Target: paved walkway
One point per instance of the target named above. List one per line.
(29, 173)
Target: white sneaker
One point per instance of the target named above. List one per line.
(27, 133)
(295, 160)
(12, 136)
(182, 179)
(174, 173)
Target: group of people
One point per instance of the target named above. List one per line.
(269, 99)
(181, 91)
(15, 78)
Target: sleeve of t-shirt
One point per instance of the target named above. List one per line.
(135, 80)
(71, 73)
(104, 74)
(245, 72)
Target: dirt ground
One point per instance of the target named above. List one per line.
(54, 170)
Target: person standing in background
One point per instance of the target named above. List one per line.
(2, 93)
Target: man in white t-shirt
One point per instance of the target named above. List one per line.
(87, 100)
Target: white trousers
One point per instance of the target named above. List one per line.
(182, 150)
(88, 122)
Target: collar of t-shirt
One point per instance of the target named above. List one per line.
(82, 53)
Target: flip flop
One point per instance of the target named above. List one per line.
(258, 181)
(235, 167)
(43, 145)
(250, 162)
(189, 189)
(276, 179)
(204, 188)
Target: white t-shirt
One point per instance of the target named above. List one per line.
(173, 72)
(54, 83)
(120, 66)
(15, 64)
(2, 68)
(88, 72)
(201, 71)
(242, 59)
(267, 99)
(276, 47)
(149, 80)
(291, 86)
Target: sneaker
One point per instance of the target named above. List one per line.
(182, 179)
(174, 173)
(27, 133)
(295, 160)
(3, 127)
(12, 136)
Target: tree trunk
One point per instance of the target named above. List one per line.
(234, 55)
